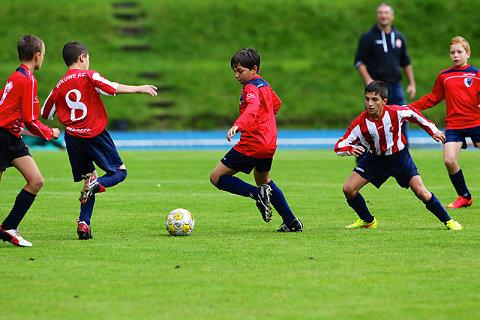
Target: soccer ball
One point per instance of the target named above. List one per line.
(179, 222)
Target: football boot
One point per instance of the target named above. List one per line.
(461, 202)
(295, 226)
(362, 224)
(14, 237)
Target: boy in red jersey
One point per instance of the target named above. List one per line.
(379, 128)
(76, 100)
(257, 145)
(19, 107)
(460, 87)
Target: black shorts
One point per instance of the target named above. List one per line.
(11, 147)
(377, 169)
(238, 161)
(83, 152)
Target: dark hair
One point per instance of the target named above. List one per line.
(247, 57)
(27, 46)
(378, 87)
(73, 50)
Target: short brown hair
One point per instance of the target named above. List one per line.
(27, 46)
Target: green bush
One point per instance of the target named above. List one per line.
(307, 49)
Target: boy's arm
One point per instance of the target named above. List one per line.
(412, 115)
(30, 111)
(247, 118)
(431, 99)
(346, 145)
(276, 103)
(147, 89)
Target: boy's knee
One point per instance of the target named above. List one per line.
(35, 184)
(349, 192)
(123, 174)
(214, 179)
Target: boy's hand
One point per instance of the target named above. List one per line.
(55, 133)
(148, 89)
(357, 151)
(233, 131)
(439, 136)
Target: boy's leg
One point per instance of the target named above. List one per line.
(222, 177)
(27, 166)
(450, 157)
(83, 228)
(431, 202)
(355, 200)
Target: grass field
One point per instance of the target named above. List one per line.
(233, 265)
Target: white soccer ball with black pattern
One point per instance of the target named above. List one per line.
(179, 222)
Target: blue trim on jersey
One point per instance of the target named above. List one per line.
(470, 69)
(258, 82)
(22, 70)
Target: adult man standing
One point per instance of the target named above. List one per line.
(381, 52)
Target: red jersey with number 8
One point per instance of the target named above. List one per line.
(76, 100)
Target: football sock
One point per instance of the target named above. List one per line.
(237, 186)
(459, 184)
(358, 204)
(86, 210)
(435, 207)
(112, 179)
(280, 204)
(22, 203)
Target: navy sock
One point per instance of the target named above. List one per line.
(112, 179)
(358, 204)
(280, 204)
(459, 184)
(237, 186)
(22, 203)
(86, 210)
(435, 207)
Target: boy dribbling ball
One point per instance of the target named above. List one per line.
(257, 145)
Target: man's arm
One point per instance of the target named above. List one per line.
(362, 69)
(411, 89)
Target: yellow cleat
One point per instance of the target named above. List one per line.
(363, 224)
(453, 225)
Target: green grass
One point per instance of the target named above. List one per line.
(307, 49)
(233, 265)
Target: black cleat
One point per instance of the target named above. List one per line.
(294, 226)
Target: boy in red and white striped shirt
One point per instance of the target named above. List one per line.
(379, 128)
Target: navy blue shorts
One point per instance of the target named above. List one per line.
(83, 152)
(377, 169)
(11, 147)
(459, 135)
(243, 163)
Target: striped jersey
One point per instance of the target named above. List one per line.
(76, 100)
(460, 87)
(383, 136)
(258, 106)
(19, 105)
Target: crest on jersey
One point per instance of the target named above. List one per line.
(398, 43)
(468, 82)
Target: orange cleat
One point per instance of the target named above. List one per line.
(460, 203)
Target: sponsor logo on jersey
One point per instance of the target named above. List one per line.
(468, 82)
